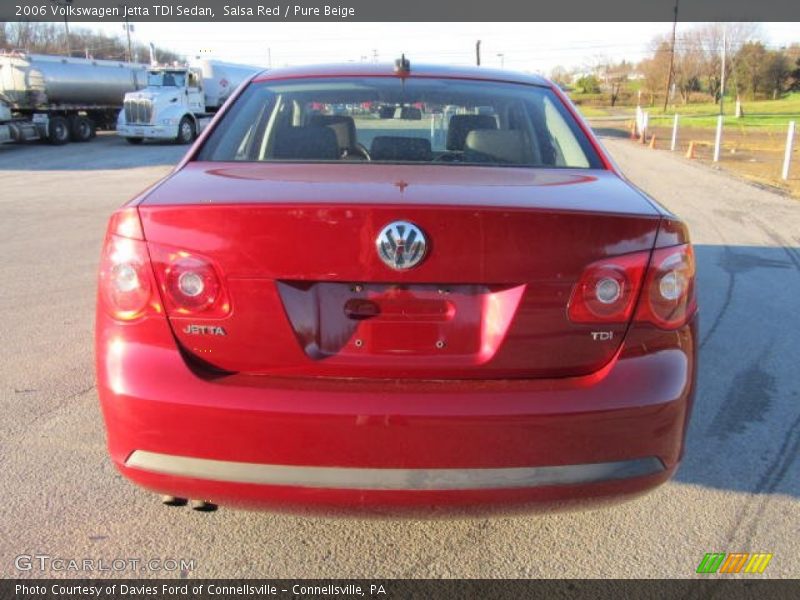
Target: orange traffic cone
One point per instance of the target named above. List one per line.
(690, 151)
(653, 142)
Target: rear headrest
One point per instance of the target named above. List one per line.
(387, 147)
(343, 126)
(497, 146)
(461, 125)
(306, 143)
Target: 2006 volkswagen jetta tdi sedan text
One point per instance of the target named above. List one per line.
(396, 287)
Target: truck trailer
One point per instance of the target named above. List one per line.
(62, 99)
(179, 100)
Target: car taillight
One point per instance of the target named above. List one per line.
(126, 284)
(190, 283)
(607, 290)
(669, 300)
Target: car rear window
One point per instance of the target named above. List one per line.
(394, 120)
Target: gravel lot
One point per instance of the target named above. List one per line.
(738, 489)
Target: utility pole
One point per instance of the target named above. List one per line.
(66, 23)
(128, 27)
(478, 53)
(66, 27)
(722, 75)
(671, 58)
(502, 58)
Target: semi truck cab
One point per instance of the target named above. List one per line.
(179, 101)
(190, 81)
(171, 107)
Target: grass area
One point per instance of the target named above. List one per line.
(759, 122)
(592, 111)
(788, 105)
(758, 114)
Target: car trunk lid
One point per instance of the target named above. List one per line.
(311, 296)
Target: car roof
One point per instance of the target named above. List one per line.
(388, 70)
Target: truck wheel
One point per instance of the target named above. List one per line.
(58, 131)
(186, 131)
(134, 140)
(81, 129)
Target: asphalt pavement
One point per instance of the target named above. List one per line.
(738, 489)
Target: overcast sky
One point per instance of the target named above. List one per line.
(534, 47)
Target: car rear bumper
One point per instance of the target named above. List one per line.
(373, 444)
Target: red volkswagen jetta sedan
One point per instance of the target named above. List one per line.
(396, 287)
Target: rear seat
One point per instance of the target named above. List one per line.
(343, 126)
(504, 146)
(388, 147)
(306, 143)
(460, 125)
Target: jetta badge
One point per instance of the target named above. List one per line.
(204, 330)
(401, 245)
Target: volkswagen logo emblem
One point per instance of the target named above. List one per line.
(401, 245)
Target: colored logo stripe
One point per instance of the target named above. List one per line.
(758, 562)
(711, 562)
(734, 563)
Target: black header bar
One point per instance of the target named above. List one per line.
(398, 10)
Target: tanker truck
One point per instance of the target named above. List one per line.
(62, 99)
(179, 101)
(15, 129)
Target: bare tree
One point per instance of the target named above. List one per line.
(698, 58)
(656, 68)
(48, 38)
(560, 76)
(614, 77)
(708, 41)
(688, 65)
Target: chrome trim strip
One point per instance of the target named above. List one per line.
(390, 479)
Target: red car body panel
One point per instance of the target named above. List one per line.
(512, 216)
(638, 406)
(327, 366)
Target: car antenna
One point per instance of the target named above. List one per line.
(402, 66)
